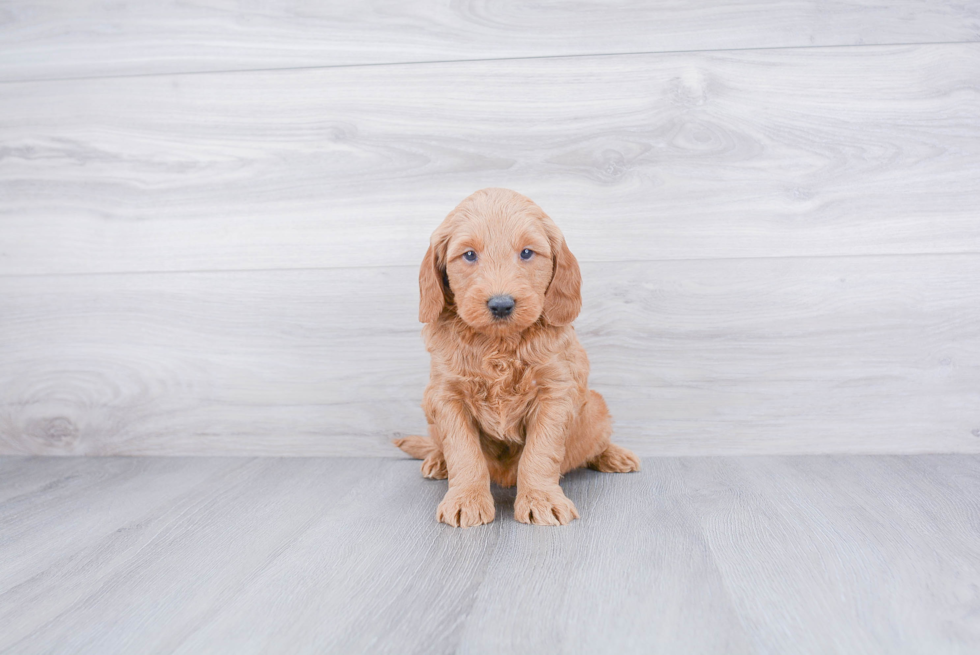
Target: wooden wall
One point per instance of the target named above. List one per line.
(211, 217)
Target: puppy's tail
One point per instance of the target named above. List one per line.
(417, 447)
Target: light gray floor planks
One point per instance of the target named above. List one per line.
(769, 153)
(820, 554)
(865, 354)
(79, 38)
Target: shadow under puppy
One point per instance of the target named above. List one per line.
(508, 397)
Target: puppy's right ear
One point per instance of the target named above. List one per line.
(431, 290)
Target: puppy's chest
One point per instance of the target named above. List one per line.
(500, 397)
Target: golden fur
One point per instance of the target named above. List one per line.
(508, 399)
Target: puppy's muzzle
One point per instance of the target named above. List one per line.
(501, 306)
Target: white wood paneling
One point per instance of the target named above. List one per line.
(693, 555)
(749, 154)
(794, 355)
(73, 38)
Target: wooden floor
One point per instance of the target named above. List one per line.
(810, 554)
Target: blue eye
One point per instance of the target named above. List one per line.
(526, 254)
(469, 256)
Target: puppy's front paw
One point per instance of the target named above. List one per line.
(547, 506)
(466, 507)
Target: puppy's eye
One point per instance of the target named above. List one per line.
(469, 256)
(526, 254)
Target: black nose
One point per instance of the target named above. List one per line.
(501, 306)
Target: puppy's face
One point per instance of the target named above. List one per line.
(499, 267)
(502, 264)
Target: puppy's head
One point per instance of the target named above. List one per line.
(500, 263)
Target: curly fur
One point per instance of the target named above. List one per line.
(508, 399)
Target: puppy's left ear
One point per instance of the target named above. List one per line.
(563, 299)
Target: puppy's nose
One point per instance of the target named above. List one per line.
(501, 306)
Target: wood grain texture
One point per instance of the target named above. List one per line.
(857, 554)
(870, 150)
(82, 38)
(853, 354)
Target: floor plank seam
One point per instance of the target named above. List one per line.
(639, 53)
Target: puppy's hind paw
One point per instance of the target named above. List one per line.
(615, 459)
(434, 467)
(416, 446)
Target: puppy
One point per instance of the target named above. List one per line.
(508, 397)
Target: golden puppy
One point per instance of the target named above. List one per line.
(508, 397)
